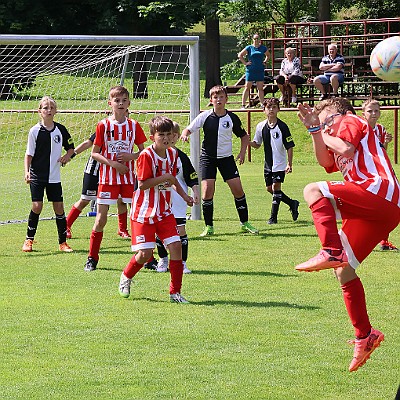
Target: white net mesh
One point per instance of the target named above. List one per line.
(79, 77)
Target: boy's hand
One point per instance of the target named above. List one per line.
(307, 115)
(288, 169)
(124, 157)
(189, 200)
(169, 180)
(240, 157)
(28, 177)
(121, 168)
(388, 138)
(64, 160)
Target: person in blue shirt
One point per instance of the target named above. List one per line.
(332, 65)
(254, 58)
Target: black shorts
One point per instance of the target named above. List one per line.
(53, 191)
(180, 221)
(226, 166)
(273, 177)
(89, 186)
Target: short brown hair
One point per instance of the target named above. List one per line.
(271, 101)
(218, 89)
(118, 91)
(340, 104)
(160, 123)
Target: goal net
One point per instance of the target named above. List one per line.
(161, 74)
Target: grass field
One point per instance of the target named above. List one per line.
(255, 328)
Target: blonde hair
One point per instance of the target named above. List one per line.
(368, 103)
(176, 128)
(47, 99)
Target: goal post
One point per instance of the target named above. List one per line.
(160, 72)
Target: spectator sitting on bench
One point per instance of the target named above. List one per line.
(290, 74)
(333, 67)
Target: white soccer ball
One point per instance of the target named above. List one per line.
(385, 59)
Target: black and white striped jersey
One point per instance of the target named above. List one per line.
(218, 131)
(45, 147)
(277, 140)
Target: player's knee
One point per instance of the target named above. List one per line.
(312, 193)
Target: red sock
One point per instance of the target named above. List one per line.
(132, 268)
(354, 299)
(324, 218)
(94, 246)
(72, 216)
(176, 271)
(122, 224)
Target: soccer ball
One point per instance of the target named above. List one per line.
(385, 59)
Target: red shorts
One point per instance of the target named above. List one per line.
(366, 217)
(144, 235)
(109, 194)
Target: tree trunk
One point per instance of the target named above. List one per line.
(324, 14)
(213, 73)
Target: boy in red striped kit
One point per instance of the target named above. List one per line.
(371, 111)
(367, 202)
(151, 212)
(113, 148)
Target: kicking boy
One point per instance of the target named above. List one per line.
(371, 111)
(151, 212)
(187, 177)
(277, 140)
(219, 125)
(367, 202)
(113, 148)
(42, 170)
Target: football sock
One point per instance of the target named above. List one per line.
(72, 216)
(354, 299)
(276, 201)
(242, 210)
(61, 223)
(132, 268)
(122, 223)
(208, 211)
(33, 221)
(161, 250)
(285, 199)
(324, 218)
(185, 245)
(176, 271)
(94, 246)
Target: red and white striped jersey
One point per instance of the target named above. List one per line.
(380, 132)
(370, 166)
(113, 138)
(153, 204)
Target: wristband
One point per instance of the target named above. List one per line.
(73, 155)
(314, 129)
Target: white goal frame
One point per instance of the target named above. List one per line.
(192, 43)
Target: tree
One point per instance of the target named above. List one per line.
(183, 15)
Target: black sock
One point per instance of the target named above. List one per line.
(276, 201)
(161, 250)
(287, 200)
(185, 245)
(208, 211)
(61, 222)
(242, 210)
(33, 221)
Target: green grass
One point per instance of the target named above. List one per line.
(255, 328)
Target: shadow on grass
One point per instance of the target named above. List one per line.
(240, 303)
(241, 273)
(266, 304)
